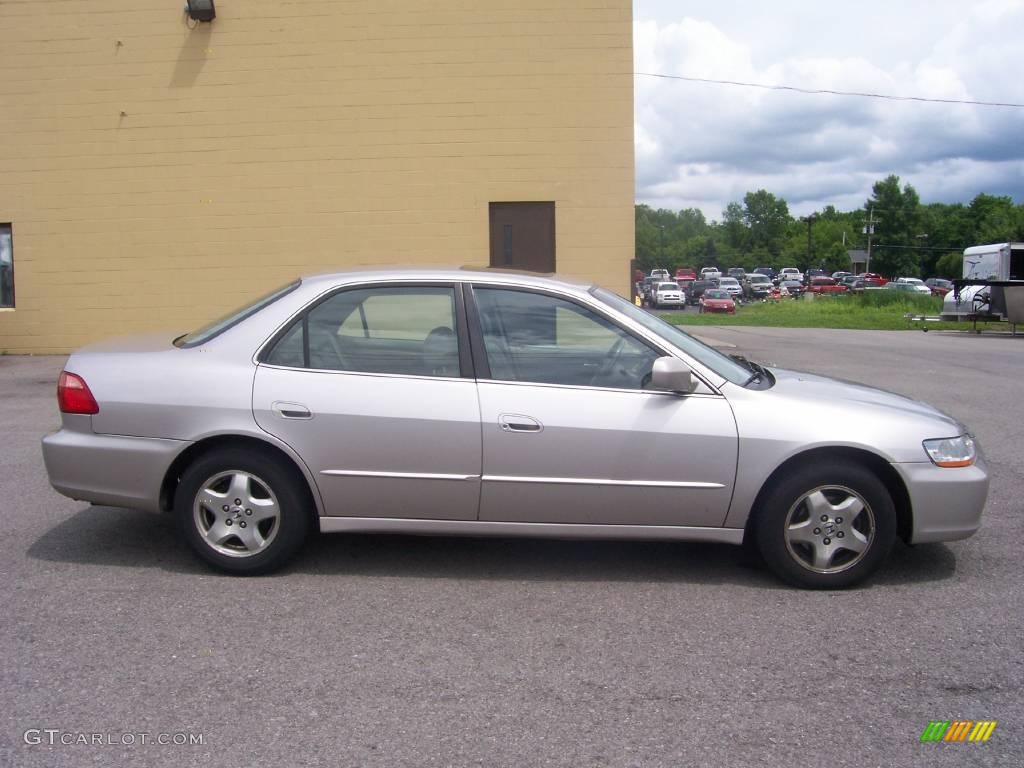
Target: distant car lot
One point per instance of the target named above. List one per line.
(401, 651)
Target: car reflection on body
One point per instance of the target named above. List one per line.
(717, 300)
(454, 402)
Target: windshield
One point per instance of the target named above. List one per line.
(759, 279)
(728, 281)
(668, 287)
(716, 294)
(221, 324)
(724, 366)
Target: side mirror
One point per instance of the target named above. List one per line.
(672, 374)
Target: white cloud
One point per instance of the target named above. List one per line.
(703, 145)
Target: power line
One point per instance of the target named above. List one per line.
(829, 91)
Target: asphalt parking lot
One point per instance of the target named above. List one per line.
(401, 651)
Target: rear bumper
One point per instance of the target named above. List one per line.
(114, 470)
(947, 503)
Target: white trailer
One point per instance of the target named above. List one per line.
(995, 263)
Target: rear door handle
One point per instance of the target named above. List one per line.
(291, 410)
(514, 422)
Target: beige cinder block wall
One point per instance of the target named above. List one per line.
(157, 175)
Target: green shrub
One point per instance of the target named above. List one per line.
(917, 303)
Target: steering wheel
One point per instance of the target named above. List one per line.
(610, 361)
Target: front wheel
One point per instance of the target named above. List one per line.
(826, 526)
(242, 512)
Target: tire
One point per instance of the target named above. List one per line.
(260, 534)
(841, 550)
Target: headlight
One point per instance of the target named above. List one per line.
(951, 451)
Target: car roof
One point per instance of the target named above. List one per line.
(455, 274)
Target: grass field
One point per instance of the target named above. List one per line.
(874, 310)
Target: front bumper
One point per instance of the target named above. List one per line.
(947, 503)
(114, 470)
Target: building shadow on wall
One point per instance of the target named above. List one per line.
(194, 52)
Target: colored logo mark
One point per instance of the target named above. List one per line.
(958, 730)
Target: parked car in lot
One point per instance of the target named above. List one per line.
(717, 300)
(854, 284)
(872, 279)
(668, 294)
(826, 285)
(757, 286)
(697, 288)
(767, 272)
(455, 402)
(909, 285)
(738, 272)
(813, 273)
(790, 273)
(838, 276)
(660, 274)
(918, 284)
(731, 286)
(685, 273)
(647, 288)
(793, 288)
(710, 273)
(939, 286)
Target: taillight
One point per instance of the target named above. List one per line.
(73, 395)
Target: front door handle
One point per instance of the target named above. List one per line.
(514, 422)
(291, 410)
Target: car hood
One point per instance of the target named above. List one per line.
(804, 411)
(810, 388)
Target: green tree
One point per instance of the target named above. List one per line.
(950, 265)
(897, 226)
(734, 227)
(993, 219)
(766, 218)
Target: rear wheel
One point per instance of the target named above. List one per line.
(242, 512)
(826, 526)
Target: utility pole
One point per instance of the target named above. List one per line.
(810, 222)
(869, 230)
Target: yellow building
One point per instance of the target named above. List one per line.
(157, 171)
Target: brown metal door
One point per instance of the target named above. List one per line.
(523, 236)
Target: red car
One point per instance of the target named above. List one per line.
(825, 285)
(685, 273)
(717, 300)
(873, 279)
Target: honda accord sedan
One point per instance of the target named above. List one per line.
(487, 403)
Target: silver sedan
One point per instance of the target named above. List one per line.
(487, 403)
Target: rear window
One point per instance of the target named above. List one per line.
(221, 324)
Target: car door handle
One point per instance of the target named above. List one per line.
(514, 422)
(291, 410)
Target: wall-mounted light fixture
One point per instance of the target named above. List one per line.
(201, 10)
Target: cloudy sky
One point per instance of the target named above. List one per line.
(701, 145)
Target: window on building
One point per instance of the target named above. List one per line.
(6, 266)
